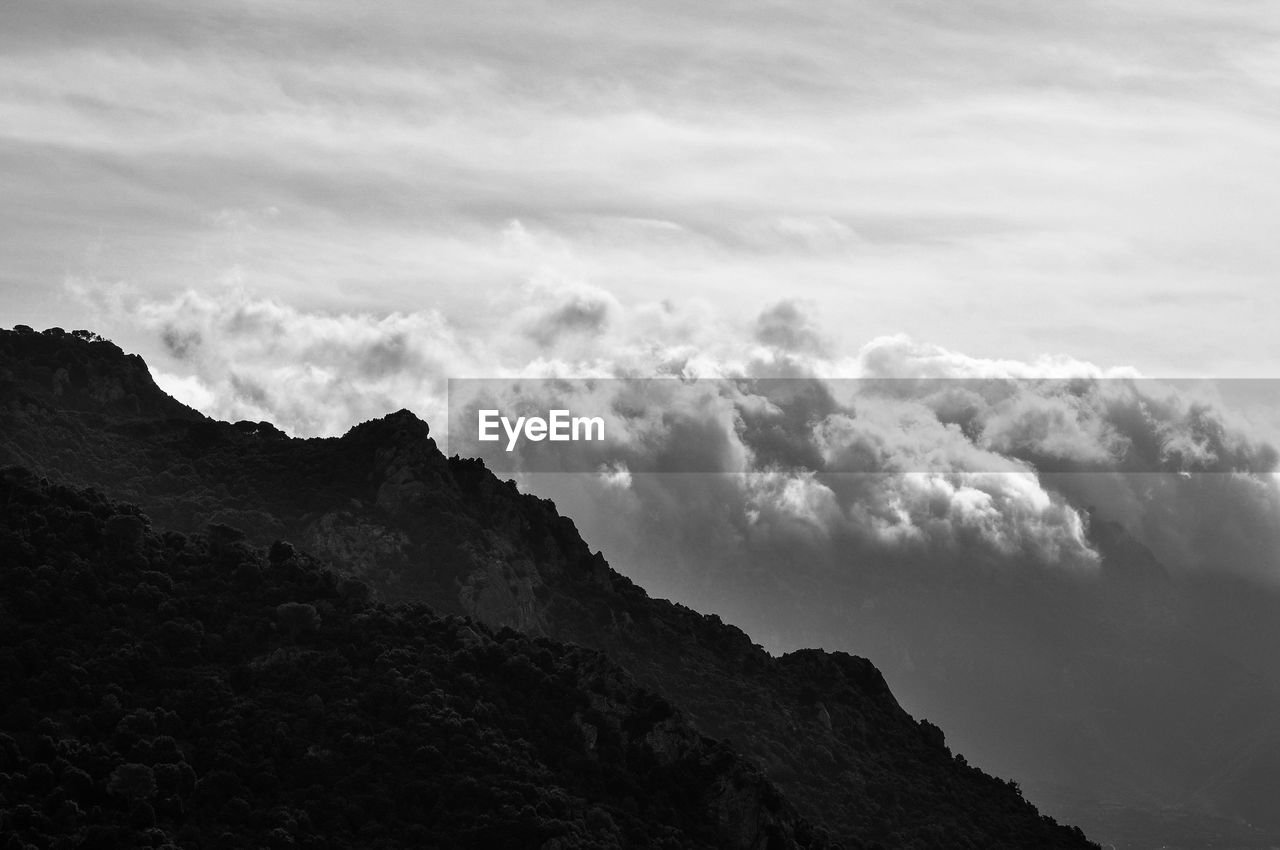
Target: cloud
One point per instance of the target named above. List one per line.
(785, 327)
(181, 344)
(928, 450)
(953, 454)
(242, 357)
(999, 183)
(578, 315)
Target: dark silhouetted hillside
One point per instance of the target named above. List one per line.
(166, 689)
(383, 504)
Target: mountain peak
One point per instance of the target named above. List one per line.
(83, 371)
(403, 421)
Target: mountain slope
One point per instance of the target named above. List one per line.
(164, 688)
(382, 503)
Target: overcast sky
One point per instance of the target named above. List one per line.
(1001, 178)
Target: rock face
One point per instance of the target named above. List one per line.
(381, 502)
(359, 546)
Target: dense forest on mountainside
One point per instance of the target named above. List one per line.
(168, 689)
(384, 505)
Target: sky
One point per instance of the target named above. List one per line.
(1005, 179)
(316, 213)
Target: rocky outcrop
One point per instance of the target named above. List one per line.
(360, 545)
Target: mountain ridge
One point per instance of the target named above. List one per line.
(383, 504)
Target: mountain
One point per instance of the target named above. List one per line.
(168, 689)
(383, 505)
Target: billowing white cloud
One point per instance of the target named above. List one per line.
(926, 450)
(238, 357)
(934, 511)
